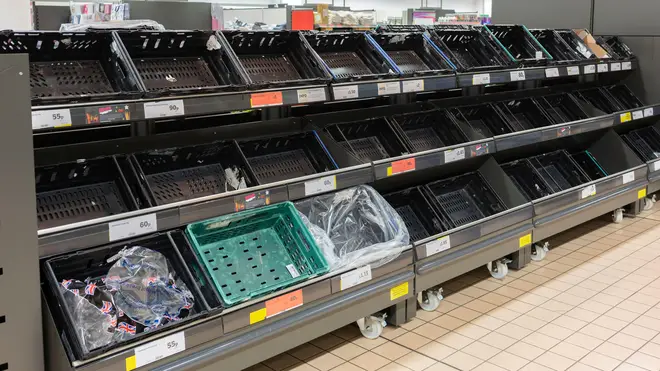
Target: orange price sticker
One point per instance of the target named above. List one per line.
(401, 166)
(284, 303)
(267, 99)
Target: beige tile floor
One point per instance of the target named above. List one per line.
(592, 304)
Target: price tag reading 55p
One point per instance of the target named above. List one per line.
(127, 228)
(157, 350)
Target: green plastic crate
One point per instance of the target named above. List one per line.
(255, 252)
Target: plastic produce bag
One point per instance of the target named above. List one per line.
(355, 227)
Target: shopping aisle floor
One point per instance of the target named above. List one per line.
(592, 304)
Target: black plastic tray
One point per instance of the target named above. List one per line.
(417, 213)
(524, 114)
(413, 53)
(275, 159)
(368, 140)
(589, 164)
(469, 49)
(178, 174)
(351, 56)
(624, 96)
(427, 130)
(575, 43)
(79, 191)
(276, 59)
(183, 62)
(615, 47)
(599, 98)
(401, 28)
(94, 264)
(72, 67)
(484, 120)
(527, 179)
(645, 142)
(559, 170)
(520, 43)
(562, 108)
(558, 48)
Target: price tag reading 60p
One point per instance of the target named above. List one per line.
(137, 226)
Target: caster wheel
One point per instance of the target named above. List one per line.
(499, 270)
(649, 202)
(371, 327)
(617, 216)
(429, 300)
(539, 252)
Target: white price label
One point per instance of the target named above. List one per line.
(481, 79)
(132, 227)
(636, 115)
(164, 108)
(311, 95)
(411, 86)
(589, 191)
(573, 70)
(159, 349)
(603, 67)
(552, 72)
(648, 112)
(615, 66)
(590, 69)
(345, 92)
(386, 88)
(628, 177)
(626, 66)
(293, 271)
(438, 246)
(355, 277)
(316, 186)
(656, 166)
(57, 118)
(454, 155)
(539, 54)
(517, 75)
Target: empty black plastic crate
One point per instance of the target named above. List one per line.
(69, 67)
(414, 54)
(401, 28)
(484, 120)
(180, 62)
(470, 49)
(645, 142)
(615, 47)
(519, 43)
(624, 96)
(277, 58)
(94, 264)
(524, 114)
(589, 164)
(275, 159)
(79, 191)
(465, 198)
(556, 46)
(178, 174)
(417, 213)
(576, 43)
(350, 56)
(599, 98)
(427, 130)
(368, 140)
(562, 108)
(559, 170)
(527, 179)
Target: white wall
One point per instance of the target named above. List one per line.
(15, 15)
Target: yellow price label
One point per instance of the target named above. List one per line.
(525, 240)
(641, 194)
(131, 363)
(625, 117)
(258, 316)
(399, 291)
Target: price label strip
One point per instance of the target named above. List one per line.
(628, 177)
(401, 166)
(355, 277)
(636, 115)
(524, 241)
(615, 67)
(656, 166)
(517, 75)
(387, 88)
(551, 72)
(588, 191)
(626, 66)
(267, 99)
(59, 118)
(603, 67)
(132, 227)
(648, 112)
(625, 117)
(412, 86)
(321, 185)
(641, 194)
(156, 350)
(573, 70)
(164, 108)
(311, 95)
(399, 291)
(481, 79)
(345, 92)
(438, 246)
(454, 155)
(590, 69)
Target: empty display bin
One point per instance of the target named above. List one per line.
(524, 114)
(417, 213)
(178, 174)
(368, 140)
(277, 58)
(556, 46)
(615, 47)
(483, 120)
(79, 191)
(414, 54)
(645, 142)
(469, 49)
(588, 163)
(624, 96)
(519, 43)
(274, 159)
(69, 67)
(559, 170)
(351, 56)
(576, 43)
(427, 130)
(527, 179)
(562, 108)
(183, 62)
(600, 99)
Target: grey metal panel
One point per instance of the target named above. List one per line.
(50, 17)
(616, 17)
(20, 334)
(644, 80)
(174, 15)
(543, 13)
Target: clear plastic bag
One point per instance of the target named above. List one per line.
(355, 227)
(136, 24)
(94, 327)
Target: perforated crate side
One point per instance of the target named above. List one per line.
(413, 53)
(426, 130)
(369, 140)
(469, 49)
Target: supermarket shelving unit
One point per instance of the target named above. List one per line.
(241, 336)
